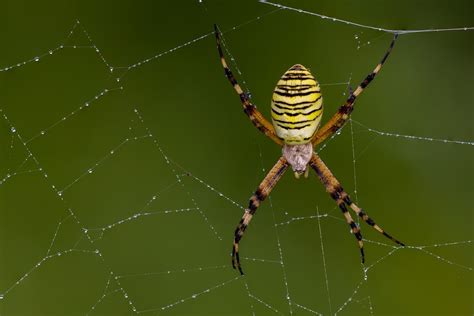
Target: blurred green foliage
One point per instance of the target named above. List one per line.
(418, 190)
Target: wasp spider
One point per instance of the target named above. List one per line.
(297, 107)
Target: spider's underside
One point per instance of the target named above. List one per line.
(297, 107)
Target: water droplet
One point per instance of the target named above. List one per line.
(90, 170)
(1, 296)
(42, 132)
(37, 58)
(13, 129)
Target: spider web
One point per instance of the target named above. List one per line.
(121, 185)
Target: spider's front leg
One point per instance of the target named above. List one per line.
(260, 194)
(342, 115)
(334, 188)
(257, 119)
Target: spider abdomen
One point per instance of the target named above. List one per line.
(297, 106)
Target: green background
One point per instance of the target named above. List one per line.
(420, 191)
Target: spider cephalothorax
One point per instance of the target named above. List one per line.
(297, 107)
(298, 157)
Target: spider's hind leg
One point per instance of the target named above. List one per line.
(360, 212)
(260, 194)
(334, 188)
(335, 192)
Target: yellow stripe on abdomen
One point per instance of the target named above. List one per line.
(297, 106)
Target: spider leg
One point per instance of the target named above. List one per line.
(334, 188)
(254, 115)
(360, 212)
(342, 115)
(260, 194)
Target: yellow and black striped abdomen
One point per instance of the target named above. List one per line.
(297, 106)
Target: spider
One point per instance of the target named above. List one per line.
(297, 107)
